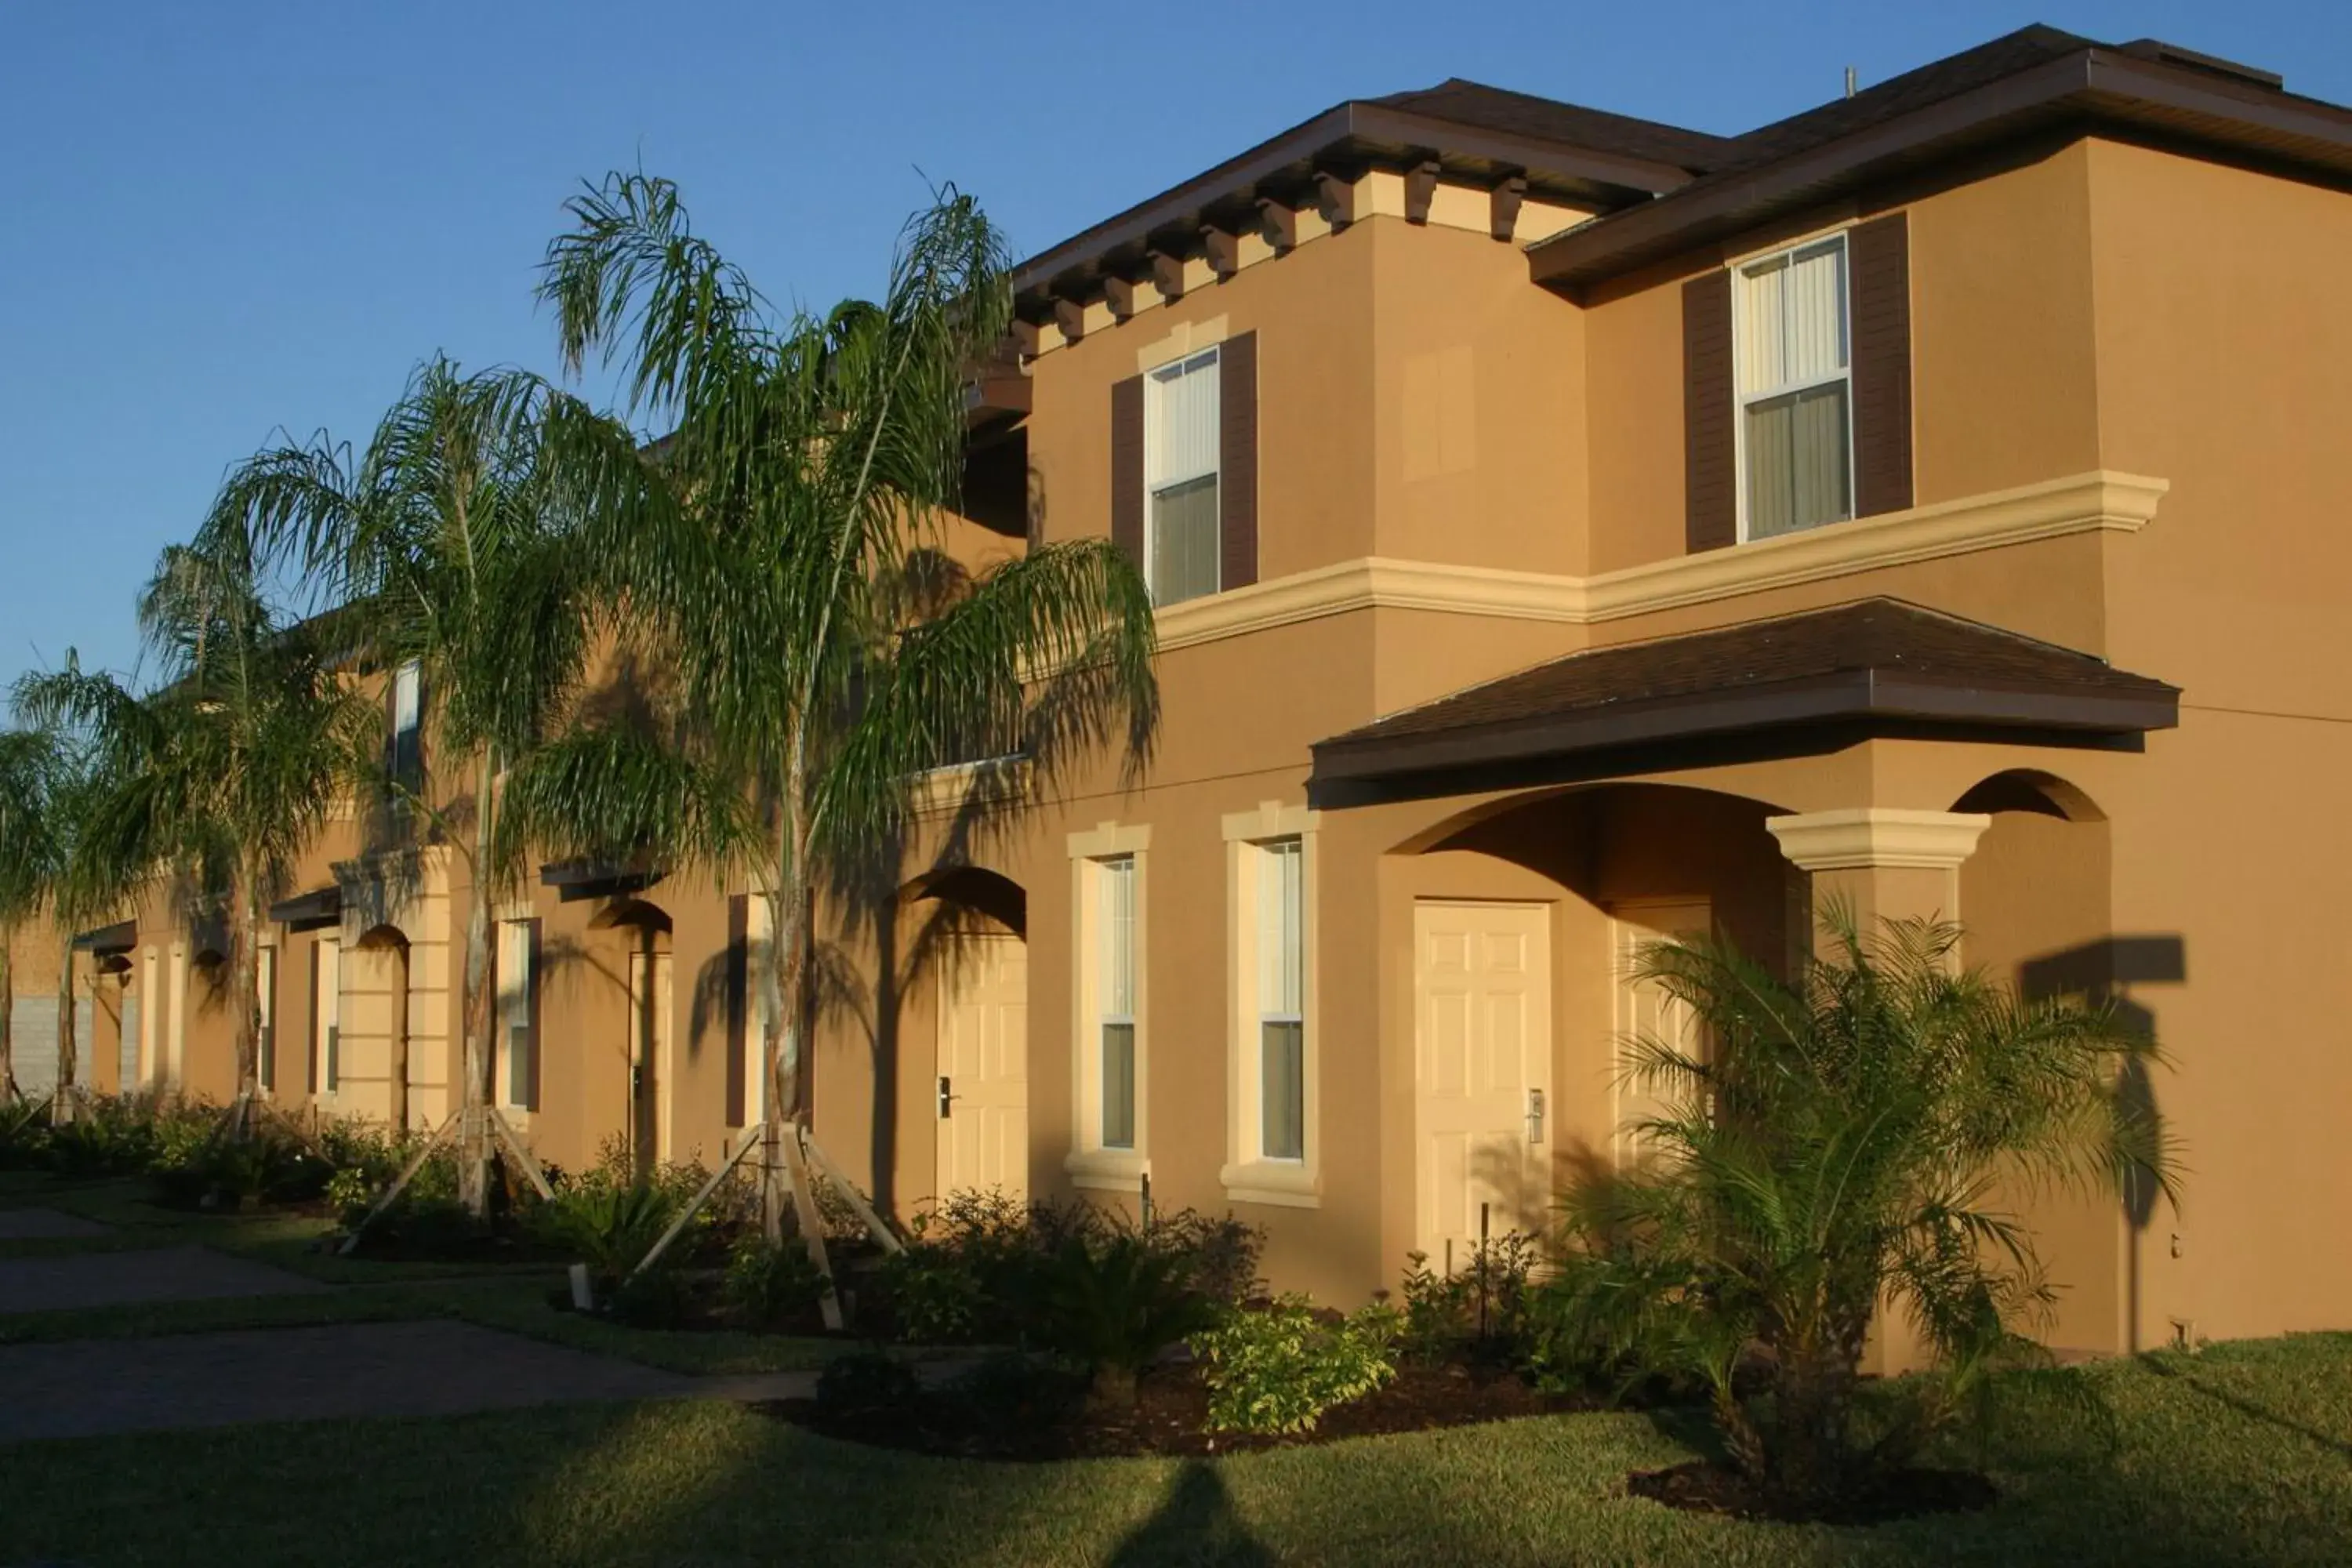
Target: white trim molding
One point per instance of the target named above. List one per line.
(2102, 500)
(1247, 1175)
(1089, 1164)
(1854, 838)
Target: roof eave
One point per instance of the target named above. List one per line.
(1350, 133)
(2094, 86)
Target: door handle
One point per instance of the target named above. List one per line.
(947, 1100)
(1535, 1116)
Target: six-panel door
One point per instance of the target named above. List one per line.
(1482, 981)
(983, 1091)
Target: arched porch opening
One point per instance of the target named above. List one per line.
(1524, 919)
(629, 941)
(377, 1070)
(952, 1045)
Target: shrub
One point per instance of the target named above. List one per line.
(979, 1266)
(1277, 1369)
(1480, 1309)
(866, 1380)
(1832, 1153)
(770, 1284)
(1115, 1305)
(1012, 1392)
(608, 1226)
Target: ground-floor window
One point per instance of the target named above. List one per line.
(1270, 1077)
(1110, 1074)
(518, 1021)
(264, 1044)
(327, 1011)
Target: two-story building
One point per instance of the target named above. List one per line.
(1567, 528)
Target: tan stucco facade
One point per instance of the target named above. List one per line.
(2124, 442)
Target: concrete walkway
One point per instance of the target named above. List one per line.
(44, 1225)
(147, 1274)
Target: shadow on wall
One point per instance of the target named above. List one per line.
(2104, 972)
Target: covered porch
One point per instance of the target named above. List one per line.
(1499, 857)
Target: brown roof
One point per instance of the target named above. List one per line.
(1462, 103)
(2034, 80)
(1875, 660)
(1477, 134)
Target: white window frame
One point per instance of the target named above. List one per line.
(326, 1030)
(1091, 1163)
(758, 1008)
(1208, 362)
(1741, 399)
(265, 995)
(1250, 1175)
(513, 1005)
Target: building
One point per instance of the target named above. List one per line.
(1569, 528)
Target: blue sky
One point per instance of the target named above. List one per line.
(229, 217)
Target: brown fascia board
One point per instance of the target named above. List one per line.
(1844, 695)
(119, 936)
(1356, 132)
(2094, 86)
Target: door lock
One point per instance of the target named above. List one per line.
(1535, 1116)
(947, 1099)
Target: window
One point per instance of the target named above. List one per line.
(1115, 882)
(328, 1044)
(1792, 356)
(518, 1037)
(1270, 1065)
(1110, 1006)
(1181, 450)
(1281, 1021)
(406, 763)
(264, 1044)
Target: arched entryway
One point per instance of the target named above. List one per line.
(1525, 918)
(970, 941)
(377, 1072)
(633, 941)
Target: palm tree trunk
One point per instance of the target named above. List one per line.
(9, 1092)
(244, 999)
(473, 1145)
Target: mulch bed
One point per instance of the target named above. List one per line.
(1705, 1488)
(1171, 1406)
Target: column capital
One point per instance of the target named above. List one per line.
(1870, 836)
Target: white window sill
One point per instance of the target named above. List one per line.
(1107, 1170)
(1283, 1184)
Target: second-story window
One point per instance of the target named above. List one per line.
(1180, 467)
(1795, 384)
(406, 762)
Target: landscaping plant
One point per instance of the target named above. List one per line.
(769, 1284)
(1116, 1304)
(1277, 1368)
(1840, 1149)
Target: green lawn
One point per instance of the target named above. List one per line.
(500, 1296)
(2242, 1455)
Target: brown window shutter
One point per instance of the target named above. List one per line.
(1710, 462)
(1237, 462)
(1126, 467)
(532, 986)
(739, 977)
(1879, 252)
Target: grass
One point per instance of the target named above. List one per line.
(509, 1296)
(2242, 1455)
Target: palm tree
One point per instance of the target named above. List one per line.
(1836, 1149)
(822, 655)
(30, 770)
(220, 779)
(453, 543)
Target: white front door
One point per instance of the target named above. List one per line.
(1644, 1011)
(982, 1094)
(1482, 982)
(982, 1098)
